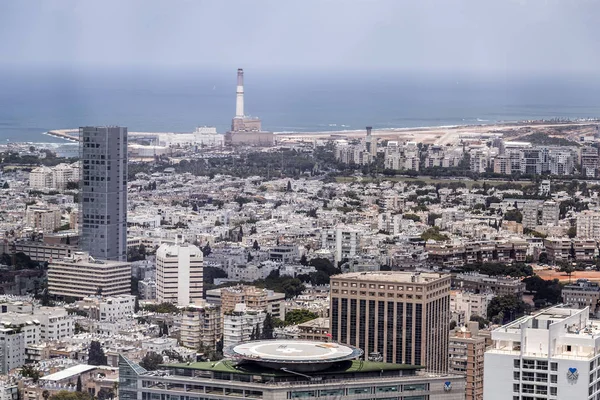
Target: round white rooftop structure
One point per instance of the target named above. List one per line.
(295, 355)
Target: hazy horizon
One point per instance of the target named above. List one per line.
(507, 38)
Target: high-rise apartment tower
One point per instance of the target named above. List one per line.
(103, 219)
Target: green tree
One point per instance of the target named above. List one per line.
(299, 316)
(513, 215)
(268, 327)
(257, 333)
(151, 361)
(255, 245)
(66, 395)
(434, 234)
(96, 354)
(572, 232)
(431, 217)
(303, 260)
(483, 323)
(567, 268)
(79, 386)
(29, 371)
(503, 309)
(413, 217)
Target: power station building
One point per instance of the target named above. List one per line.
(246, 130)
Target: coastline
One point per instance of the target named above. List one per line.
(425, 134)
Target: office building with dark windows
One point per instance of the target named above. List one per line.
(398, 317)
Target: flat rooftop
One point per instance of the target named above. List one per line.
(68, 373)
(393, 276)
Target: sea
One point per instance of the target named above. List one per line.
(35, 100)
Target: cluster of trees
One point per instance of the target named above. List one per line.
(516, 270)
(96, 354)
(325, 269)
(292, 287)
(503, 309)
(545, 291)
(299, 316)
(267, 331)
(162, 308)
(50, 159)
(136, 253)
(151, 361)
(19, 261)
(29, 371)
(434, 234)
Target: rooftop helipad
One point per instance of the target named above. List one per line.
(293, 351)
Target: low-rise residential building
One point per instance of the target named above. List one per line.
(254, 298)
(81, 276)
(582, 294)
(499, 286)
(315, 329)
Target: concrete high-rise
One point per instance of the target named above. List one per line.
(103, 219)
(466, 354)
(402, 316)
(179, 274)
(552, 354)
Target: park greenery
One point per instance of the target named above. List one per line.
(516, 270)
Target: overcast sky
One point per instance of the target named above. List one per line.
(500, 36)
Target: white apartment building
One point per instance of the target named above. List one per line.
(40, 178)
(470, 303)
(147, 289)
(550, 213)
(588, 225)
(55, 323)
(179, 274)
(12, 348)
(553, 354)
(239, 324)
(108, 309)
(81, 276)
(530, 214)
(344, 242)
(64, 173)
